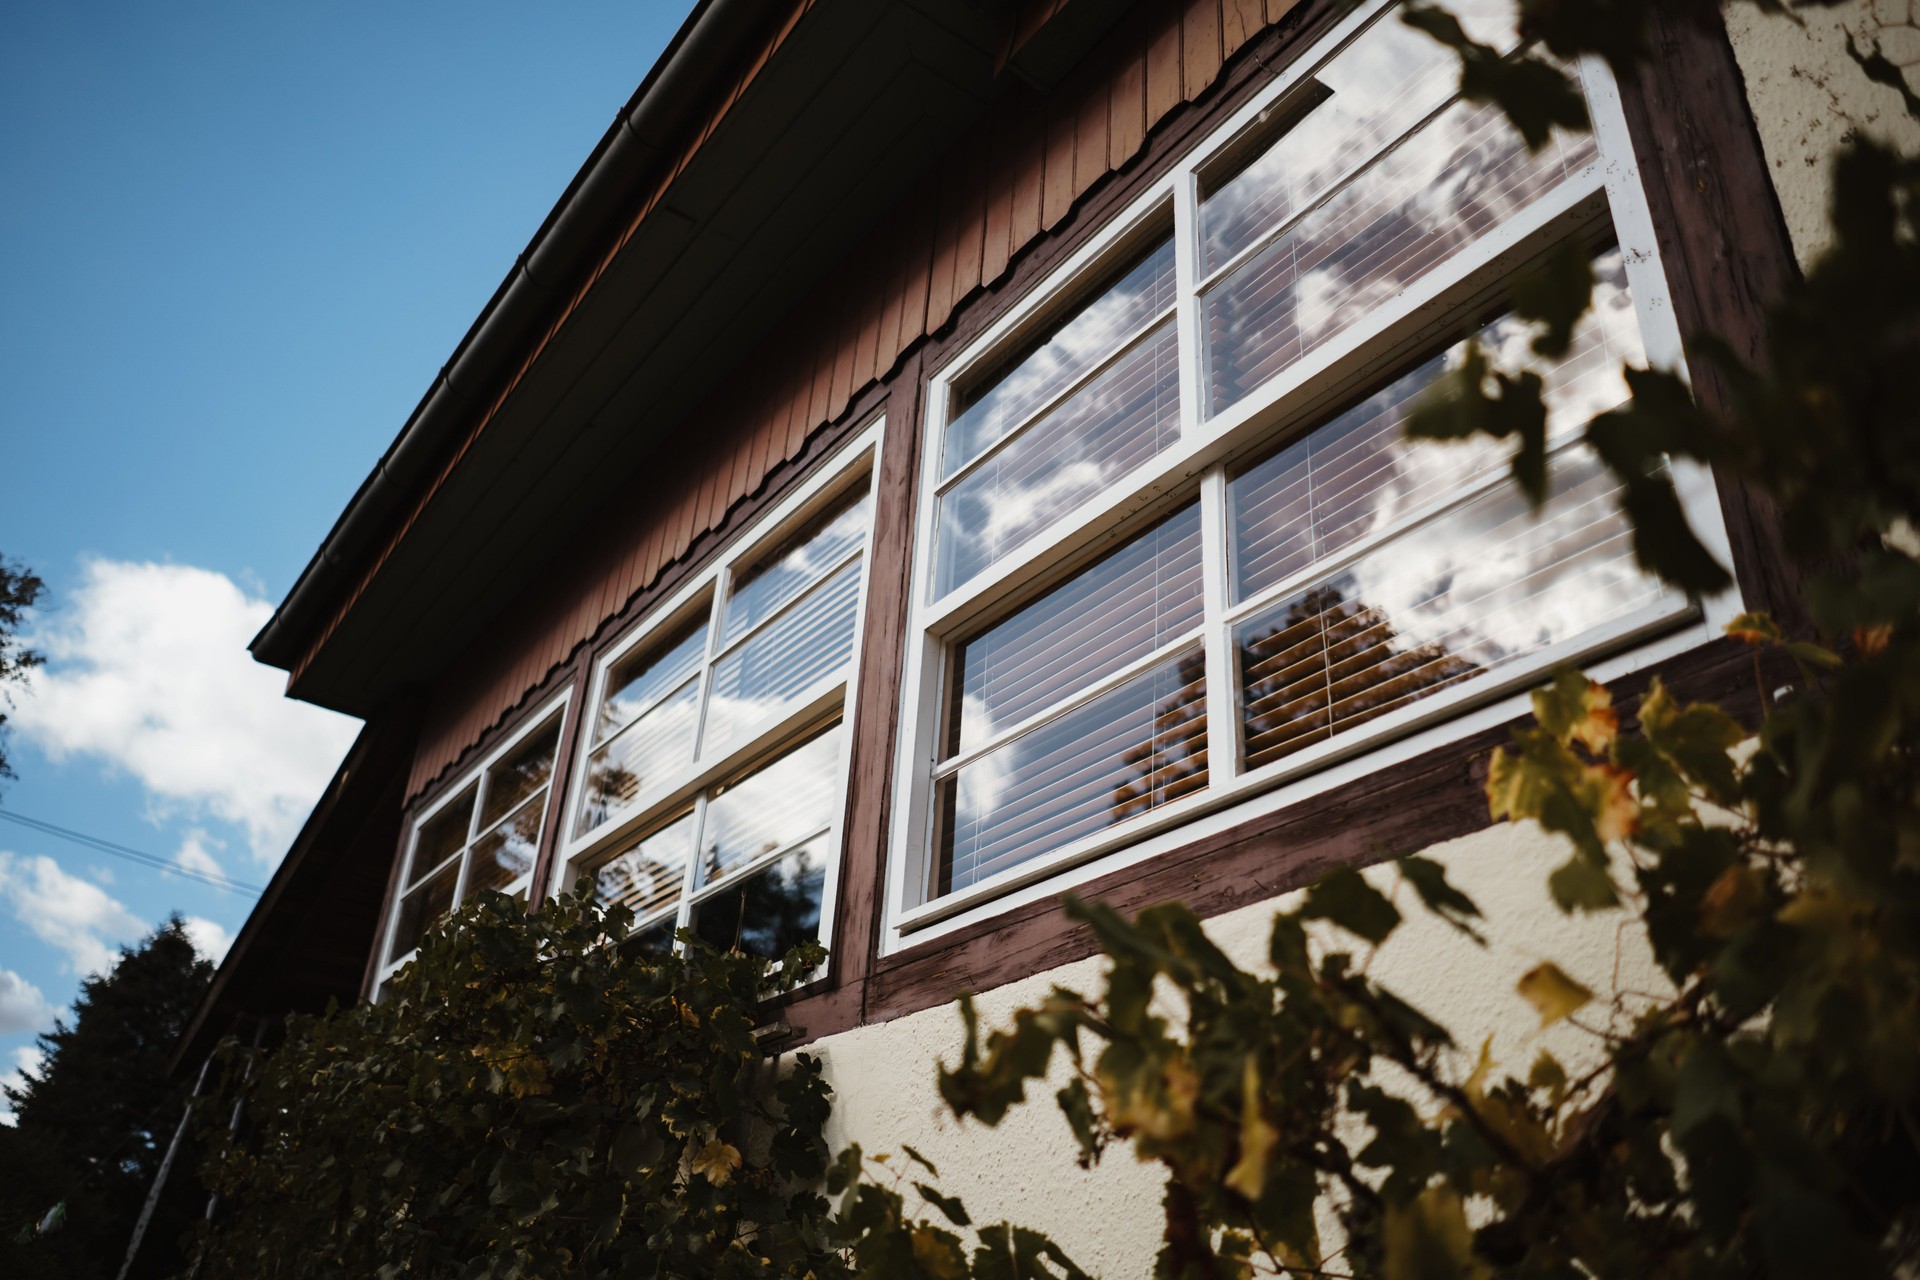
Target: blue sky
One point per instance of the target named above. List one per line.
(238, 241)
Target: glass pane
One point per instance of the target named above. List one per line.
(506, 853)
(648, 674)
(776, 806)
(769, 913)
(990, 403)
(798, 563)
(1451, 182)
(442, 835)
(654, 940)
(521, 772)
(1129, 750)
(1355, 475)
(648, 875)
(790, 655)
(1121, 608)
(1473, 591)
(1362, 99)
(422, 906)
(643, 755)
(1124, 416)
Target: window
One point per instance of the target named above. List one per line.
(1175, 561)
(713, 775)
(484, 835)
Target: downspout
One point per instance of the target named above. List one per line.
(166, 1167)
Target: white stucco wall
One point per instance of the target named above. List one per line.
(1109, 1219)
(1808, 96)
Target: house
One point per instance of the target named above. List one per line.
(938, 454)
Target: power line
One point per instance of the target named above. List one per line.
(153, 860)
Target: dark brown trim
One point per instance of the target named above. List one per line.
(1724, 241)
(560, 785)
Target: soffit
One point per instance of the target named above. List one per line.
(859, 101)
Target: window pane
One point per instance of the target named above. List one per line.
(990, 404)
(1121, 608)
(506, 853)
(781, 804)
(790, 655)
(648, 875)
(645, 676)
(654, 940)
(1125, 415)
(1356, 475)
(441, 835)
(645, 754)
(1129, 750)
(1449, 183)
(521, 772)
(768, 913)
(1364, 97)
(1471, 592)
(422, 906)
(797, 564)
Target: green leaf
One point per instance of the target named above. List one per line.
(1555, 292)
(1344, 898)
(1580, 884)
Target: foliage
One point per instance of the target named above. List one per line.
(93, 1123)
(1763, 1116)
(527, 1097)
(19, 589)
(531, 1097)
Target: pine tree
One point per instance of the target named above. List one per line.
(92, 1125)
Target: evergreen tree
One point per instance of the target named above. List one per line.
(92, 1125)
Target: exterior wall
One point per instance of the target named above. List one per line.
(1720, 236)
(1809, 96)
(1009, 185)
(1109, 1219)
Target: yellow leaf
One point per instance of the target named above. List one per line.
(1429, 1239)
(1552, 992)
(1607, 792)
(716, 1162)
(938, 1255)
(1731, 901)
(1257, 1137)
(1754, 629)
(1575, 708)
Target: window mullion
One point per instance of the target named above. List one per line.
(1223, 717)
(683, 915)
(1186, 267)
(722, 583)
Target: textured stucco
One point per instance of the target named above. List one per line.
(1109, 1220)
(1809, 96)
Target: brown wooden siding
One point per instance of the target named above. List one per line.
(1017, 176)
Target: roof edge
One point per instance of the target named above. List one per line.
(570, 232)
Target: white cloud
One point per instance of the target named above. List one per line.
(66, 912)
(209, 937)
(22, 1007)
(147, 670)
(25, 1059)
(194, 854)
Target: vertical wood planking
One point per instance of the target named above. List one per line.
(1017, 175)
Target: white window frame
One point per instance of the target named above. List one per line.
(472, 778)
(829, 701)
(1433, 307)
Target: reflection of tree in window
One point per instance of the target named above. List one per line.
(768, 913)
(1326, 662)
(1172, 762)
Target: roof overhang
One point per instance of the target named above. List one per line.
(816, 144)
